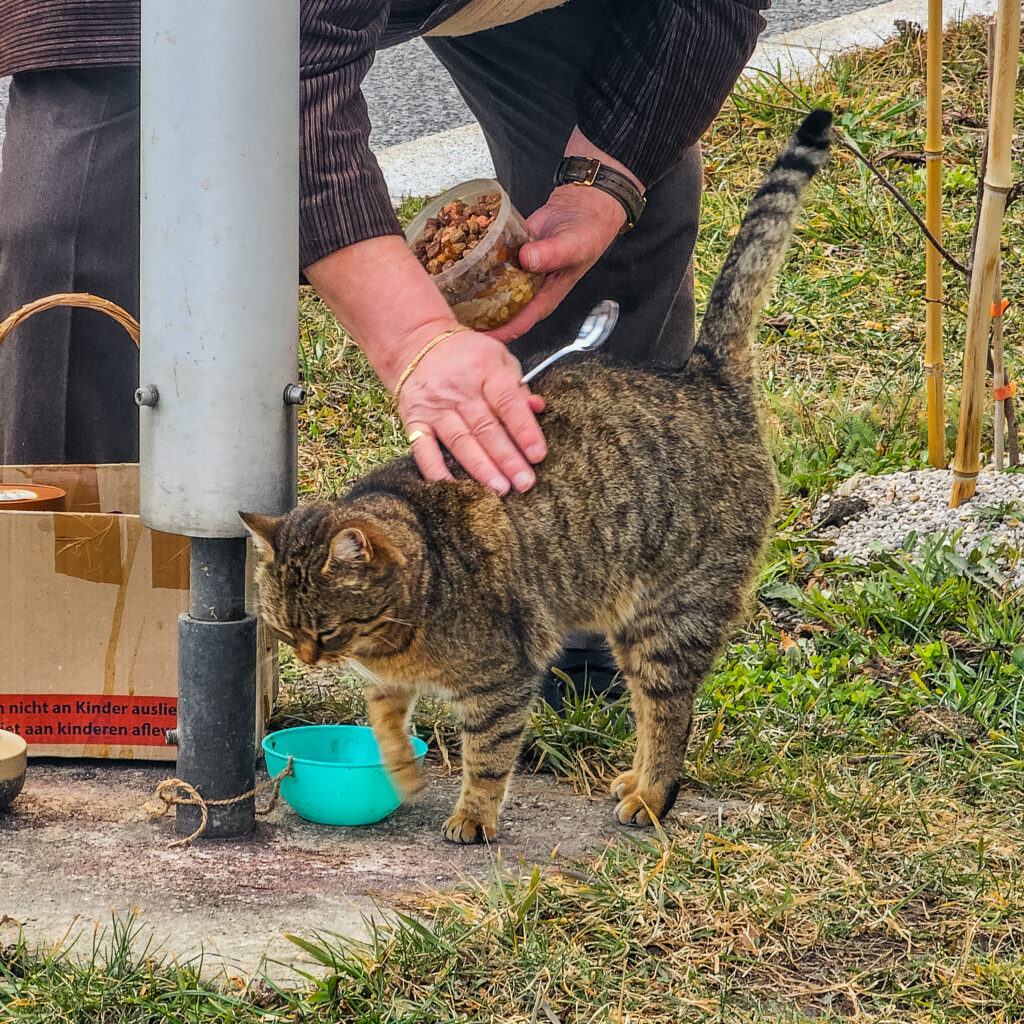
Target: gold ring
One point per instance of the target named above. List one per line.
(416, 435)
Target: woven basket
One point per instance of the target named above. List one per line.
(83, 299)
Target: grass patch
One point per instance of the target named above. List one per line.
(868, 718)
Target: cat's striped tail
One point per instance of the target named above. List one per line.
(756, 253)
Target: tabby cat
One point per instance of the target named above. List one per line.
(646, 523)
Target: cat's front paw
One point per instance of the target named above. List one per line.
(643, 806)
(465, 829)
(625, 784)
(409, 781)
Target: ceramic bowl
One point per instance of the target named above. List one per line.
(13, 765)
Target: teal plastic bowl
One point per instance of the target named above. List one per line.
(339, 775)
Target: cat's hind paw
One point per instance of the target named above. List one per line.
(465, 829)
(643, 806)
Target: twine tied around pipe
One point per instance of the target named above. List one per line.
(172, 792)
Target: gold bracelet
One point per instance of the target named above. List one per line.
(423, 351)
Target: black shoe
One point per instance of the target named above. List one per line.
(590, 670)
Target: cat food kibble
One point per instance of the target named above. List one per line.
(455, 231)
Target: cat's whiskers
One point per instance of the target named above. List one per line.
(360, 668)
(387, 641)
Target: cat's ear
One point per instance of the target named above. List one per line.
(356, 544)
(263, 530)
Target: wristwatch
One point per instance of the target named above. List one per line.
(581, 170)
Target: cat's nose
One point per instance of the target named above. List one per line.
(308, 652)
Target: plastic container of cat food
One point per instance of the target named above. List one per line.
(13, 765)
(339, 773)
(486, 286)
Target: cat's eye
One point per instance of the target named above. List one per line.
(282, 634)
(329, 639)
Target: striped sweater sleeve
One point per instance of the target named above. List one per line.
(656, 82)
(343, 197)
(40, 34)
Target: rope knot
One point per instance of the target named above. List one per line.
(172, 792)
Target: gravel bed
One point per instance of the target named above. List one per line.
(882, 510)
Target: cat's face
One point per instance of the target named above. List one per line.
(332, 590)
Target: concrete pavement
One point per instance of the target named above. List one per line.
(78, 845)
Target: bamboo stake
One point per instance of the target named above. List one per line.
(998, 366)
(966, 464)
(934, 367)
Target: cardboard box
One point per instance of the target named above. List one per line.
(89, 605)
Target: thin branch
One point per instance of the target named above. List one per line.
(845, 141)
(1013, 437)
(841, 138)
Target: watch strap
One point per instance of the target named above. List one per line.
(581, 170)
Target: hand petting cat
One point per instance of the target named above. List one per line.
(465, 393)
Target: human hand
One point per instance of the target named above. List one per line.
(573, 228)
(466, 394)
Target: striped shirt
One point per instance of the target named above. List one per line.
(651, 91)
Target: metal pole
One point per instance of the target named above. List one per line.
(217, 690)
(219, 262)
(219, 346)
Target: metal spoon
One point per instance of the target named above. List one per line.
(597, 326)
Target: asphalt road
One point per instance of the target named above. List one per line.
(409, 94)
